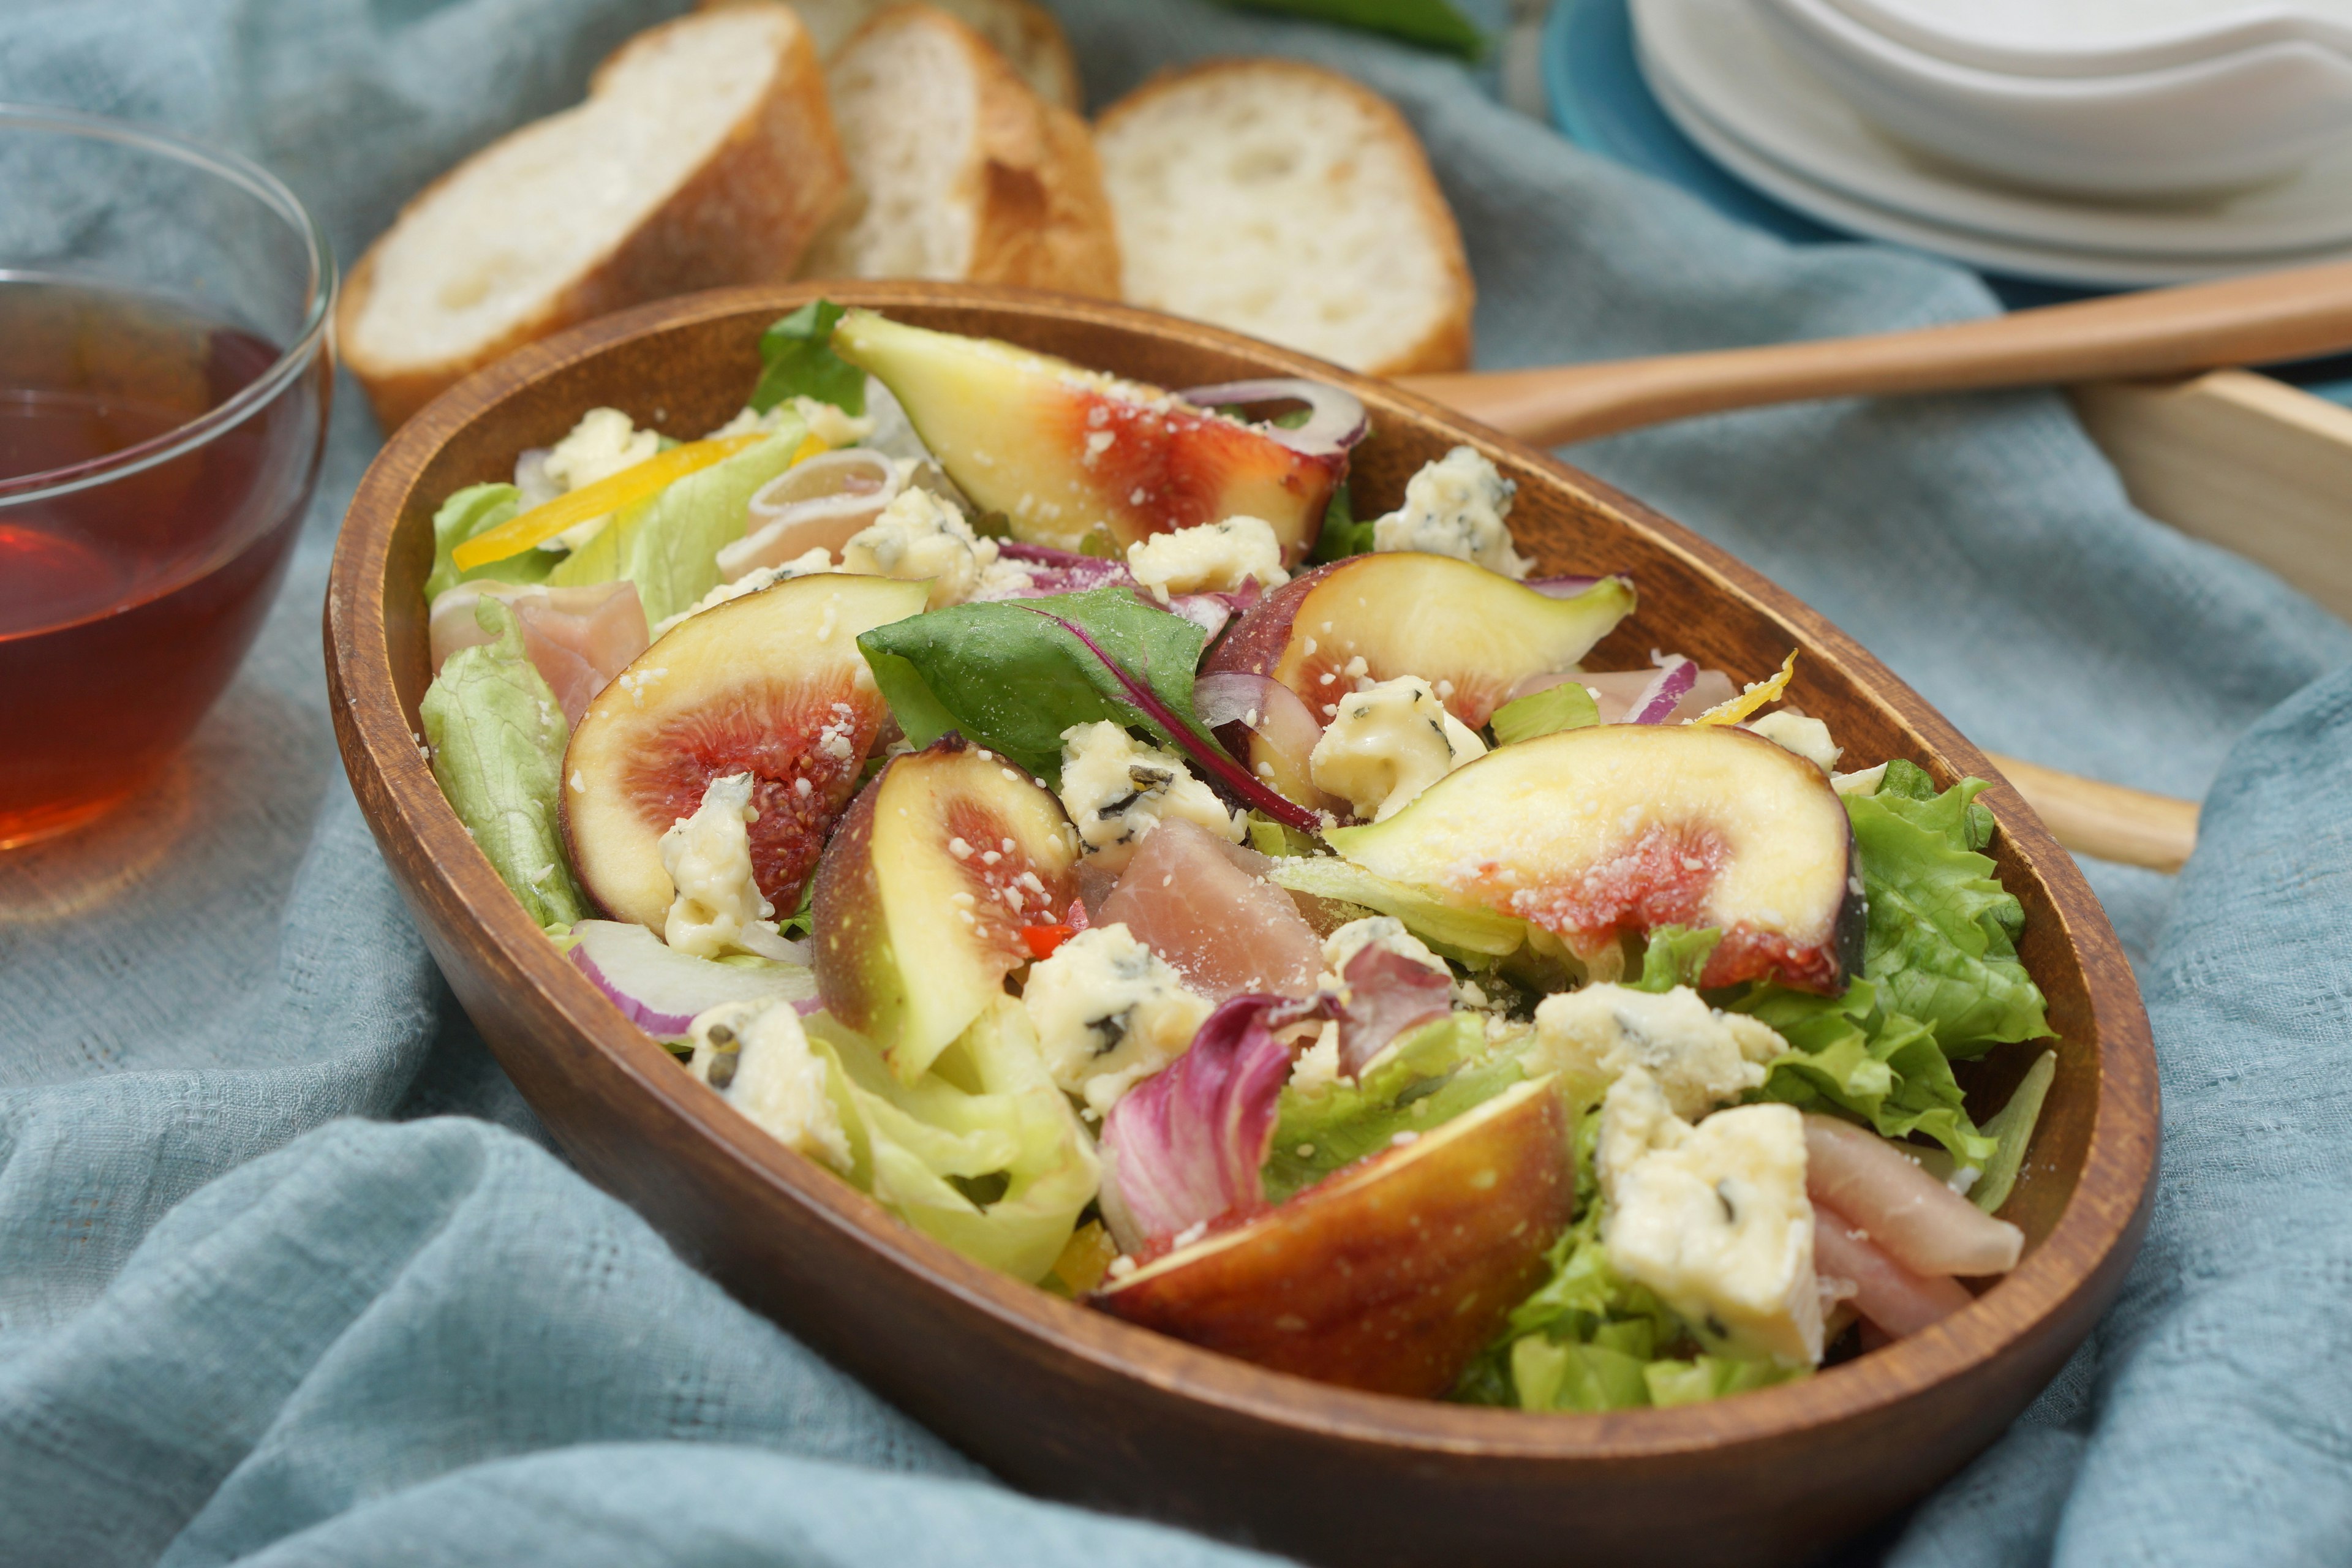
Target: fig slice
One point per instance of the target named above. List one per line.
(1474, 635)
(1387, 1276)
(769, 684)
(921, 898)
(1626, 827)
(1058, 449)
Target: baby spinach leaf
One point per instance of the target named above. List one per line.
(796, 360)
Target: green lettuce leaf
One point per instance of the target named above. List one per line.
(1009, 678)
(2011, 1130)
(497, 737)
(983, 1152)
(1341, 535)
(796, 360)
(1942, 933)
(1426, 1079)
(1477, 937)
(1676, 955)
(475, 510)
(1568, 706)
(1849, 1054)
(668, 546)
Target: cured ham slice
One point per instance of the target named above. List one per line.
(1885, 1293)
(1201, 904)
(577, 638)
(1911, 1217)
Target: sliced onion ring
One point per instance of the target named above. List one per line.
(1335, 420)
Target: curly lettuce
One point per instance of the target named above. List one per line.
(495, 736)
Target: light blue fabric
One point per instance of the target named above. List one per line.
(236, 1325)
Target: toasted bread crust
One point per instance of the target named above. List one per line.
(1041, 54)
(1446, 345)
(746, 216)
(1041, 217)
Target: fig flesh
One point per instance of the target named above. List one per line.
(1059, 449)
(769, 684)
(941, 864)
(1619, 828)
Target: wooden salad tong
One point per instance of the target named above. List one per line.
(2259, 318)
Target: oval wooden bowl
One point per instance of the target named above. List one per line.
(1068, 1403)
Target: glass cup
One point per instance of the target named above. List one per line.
(165, 376)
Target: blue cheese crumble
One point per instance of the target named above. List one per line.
(759, 1056)
(1456, 506)
(1714, 1218)
(1213, 558)
(1109, 1013)
(1388, 742)
(1699, 1058)
(1118, 790)
(717, 908)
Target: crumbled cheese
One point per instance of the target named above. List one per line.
(1118, 790)
(1714, 1218)
(1455, 506)
(920, 537)
(834, 426)
(1807, 737)
(1864, 781)
(1109, 1013)
(717, 908)
(603, 443)
(1387, 743)
(1342, 946)
(759, 1056)
(1317, 1070)
(1214, 558)
(1698, 1057)
(806, 564)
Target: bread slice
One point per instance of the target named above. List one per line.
(1026, 34)
(705, 154)
(1283, 200)
(959, 170)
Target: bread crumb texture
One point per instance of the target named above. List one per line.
(1286, 200)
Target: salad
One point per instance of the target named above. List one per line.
(1036, 798)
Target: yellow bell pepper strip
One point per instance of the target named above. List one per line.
(1755, 696)
(637, 483)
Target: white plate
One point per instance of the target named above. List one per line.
(2048, 263)
(1717, 55)
(2035, 38)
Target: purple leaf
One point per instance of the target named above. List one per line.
(1387, 994)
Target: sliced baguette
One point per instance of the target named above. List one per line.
(1285, 201)
(705, 154)
(959, 171)
(1026, 34)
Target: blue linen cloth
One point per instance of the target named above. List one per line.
(285, 1276)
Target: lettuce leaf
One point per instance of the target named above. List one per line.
(475, 510)
(497, 739)
(1429, 1077)
(1476, 937)
(1341, 535)
(1942, 933)
(983, 1153)
(1676, 955)
(668, 546)
(2011, 1130)
(1568, 706)
(1850, 1054)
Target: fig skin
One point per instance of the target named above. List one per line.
(1389, 1276)
(898, 956)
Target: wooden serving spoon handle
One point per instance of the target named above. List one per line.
(2106, 820)
(2253, 319)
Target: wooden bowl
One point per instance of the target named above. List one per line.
(1070, 1403)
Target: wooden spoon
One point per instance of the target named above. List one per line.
(2254, 319)
(2270, 316)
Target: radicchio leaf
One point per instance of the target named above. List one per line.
(1188, 1145)
(1387, 994)
(1665, 690)
(1205, 754)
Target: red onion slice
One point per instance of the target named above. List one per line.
(1335, 420)
(1657, 701)
(662, 991)
(1563, 587)
(1260, 704)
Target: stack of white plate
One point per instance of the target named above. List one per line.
(2096, 142)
